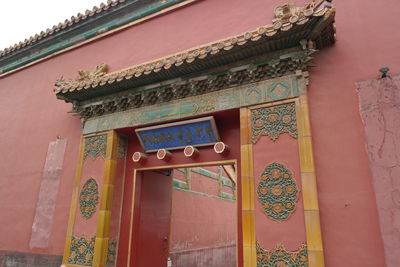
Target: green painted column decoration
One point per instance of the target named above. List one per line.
(278, 192)
(280, 257)
(82, 251)
(89, 198)
(273, 121)
(111, 252)
(95, 146)
(122, 147)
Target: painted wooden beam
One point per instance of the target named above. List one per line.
(231, 172)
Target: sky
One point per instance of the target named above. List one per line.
(20, 19)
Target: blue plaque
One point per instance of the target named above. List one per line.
(197, 132)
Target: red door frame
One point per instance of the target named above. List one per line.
(134, 217)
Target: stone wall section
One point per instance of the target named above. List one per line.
(380, 113)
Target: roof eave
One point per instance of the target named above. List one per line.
(317, 28)
(78, 30)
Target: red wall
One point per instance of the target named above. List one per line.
(199, 183)
(289, 232)
(201, 223)
(30, 116)
(199, 220)
(203, 227)
(117, 199)
(367, 40)
(92, 168)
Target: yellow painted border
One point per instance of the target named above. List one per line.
(248, 189)
(74, 201)
(247, 179)
(75, 194)
(123, 178)
(308, 181)
(107, 189)
(309, 184)
(137, 172)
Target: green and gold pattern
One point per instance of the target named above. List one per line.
(95, 146)
(277, 192)
(235, 97)
(122, 146)
(273, 121)
(111, 252)
(82, 251)
(280, 257)
(88, 198)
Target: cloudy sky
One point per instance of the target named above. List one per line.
(20, 19)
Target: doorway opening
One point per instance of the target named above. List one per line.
(185, 216)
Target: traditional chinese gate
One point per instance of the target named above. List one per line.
(255, 87)
(162, 228)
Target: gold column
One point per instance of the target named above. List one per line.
(103, 221)
(74, 201)
(309, 185)
(247, 179)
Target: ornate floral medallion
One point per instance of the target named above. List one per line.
(277, 192)
(88, 198)
(280, 257)
(273, 121)
(82, 251)
(95, 146)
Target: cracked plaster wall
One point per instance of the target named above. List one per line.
(49, 187)
(380, 113)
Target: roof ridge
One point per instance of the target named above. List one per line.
(62, 25)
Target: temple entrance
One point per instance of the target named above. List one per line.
(185, 217)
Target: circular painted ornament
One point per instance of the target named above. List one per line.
(278, 192)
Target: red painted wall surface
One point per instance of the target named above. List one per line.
(199, 183)
(367, 40)
(92, 168)
(203, 227)
(30, 116)
(290, 232)
(117, 199)
(200, 215)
